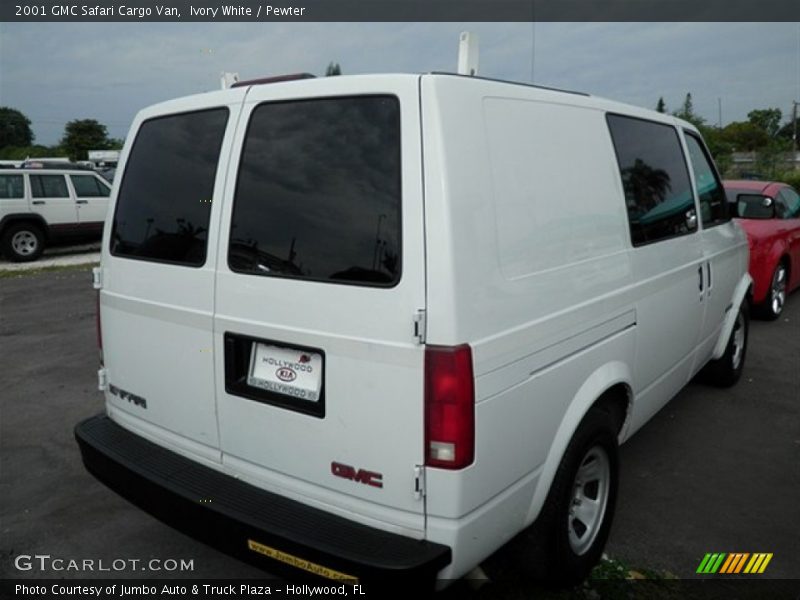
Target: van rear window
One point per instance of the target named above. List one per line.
(165, 198)
(318, 192)
(655, 178)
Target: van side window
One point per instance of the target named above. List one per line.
(164, 201)
(88, 185)
(11, 187)
(49, 186)
(710, 193)
(318, 192)
(655, 179)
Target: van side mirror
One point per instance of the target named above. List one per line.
(755, 206)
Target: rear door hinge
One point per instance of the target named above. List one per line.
(97, 278)
(102, 379)
(419, 482)
(420, 325)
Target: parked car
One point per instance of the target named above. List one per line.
(769, 212)
(44, 203)
(372, 326)
(107, 173)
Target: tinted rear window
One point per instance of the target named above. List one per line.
(318, 192)
(165, 198)
(655, 178)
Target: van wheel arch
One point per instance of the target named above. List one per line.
(590, 414)
(726, 370)
(567, 538)
(615, 399)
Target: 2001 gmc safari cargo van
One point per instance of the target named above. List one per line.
(380, 325)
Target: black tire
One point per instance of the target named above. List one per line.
(546, 550)
(772, 307)
(22, 242)
(726, 370)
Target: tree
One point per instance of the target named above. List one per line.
(15, 128)
(648, 185)
(333, 69)
(687, 113)
(23, 152)
(787, 131)
(767, 119)
(744, 136)
(661, 106)
(721, 149)
(82, 135)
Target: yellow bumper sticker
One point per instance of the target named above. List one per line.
(299, 563)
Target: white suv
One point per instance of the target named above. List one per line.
(39, 205)
(379, 325)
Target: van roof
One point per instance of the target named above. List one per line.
(509, 82)
(569, 96)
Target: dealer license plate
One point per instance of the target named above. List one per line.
(295, 373)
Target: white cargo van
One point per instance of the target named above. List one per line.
(379, 325)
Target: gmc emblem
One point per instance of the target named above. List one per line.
(359, 475)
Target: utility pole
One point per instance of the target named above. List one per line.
(794, 128)
(719, 105)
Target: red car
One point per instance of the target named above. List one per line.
(770, 214)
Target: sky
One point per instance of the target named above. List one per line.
(57, 72)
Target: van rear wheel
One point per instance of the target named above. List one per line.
(22, 242)
(567, 540)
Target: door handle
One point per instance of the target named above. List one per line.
(700, 277)
(81, 202)
(37, 202)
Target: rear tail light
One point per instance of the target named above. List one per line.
(98, 325)
(449, 407)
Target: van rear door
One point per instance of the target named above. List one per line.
(159, 258)
(321, 272)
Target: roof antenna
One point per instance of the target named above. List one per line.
(468, 53)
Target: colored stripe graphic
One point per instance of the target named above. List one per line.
(727, 564)
(703, 563)
(765, 563)
(711, 562)
(734, 563)
(758, 563)
(741, 562)
(716, 565)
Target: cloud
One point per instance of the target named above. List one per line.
(55, 72)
